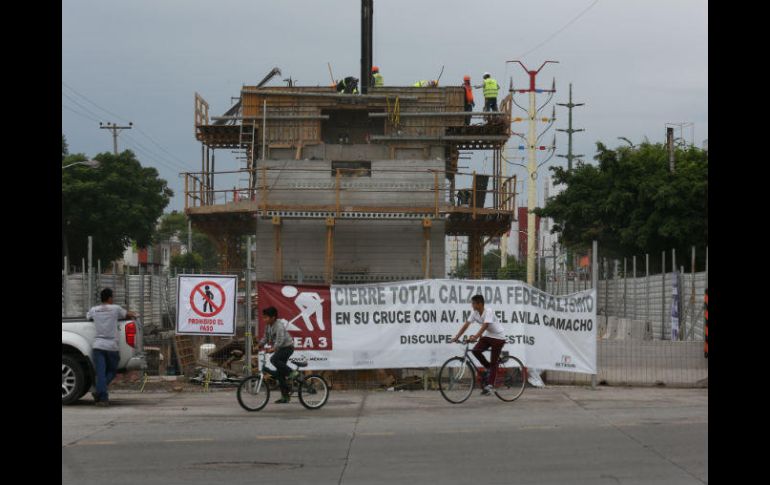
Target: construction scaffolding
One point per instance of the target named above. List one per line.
(311, 153)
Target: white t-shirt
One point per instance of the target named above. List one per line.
(105, 318)
(494, 329)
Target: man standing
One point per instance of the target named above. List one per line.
(106, 355)
(490, 92)
(282, 346)
(469, 103)
(494, 338)
(377, 77)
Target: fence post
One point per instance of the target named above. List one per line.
(647, 289)
(90, 300)
(692, 294)
(636, 292)
(625, 286)
(65, 287)
(663, 304)
(247, 301)
(83, 288)
(682, 321)
(141, 293)
(595, 283)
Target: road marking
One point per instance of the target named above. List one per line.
(282, 437)
(94, 443)
(188, 440)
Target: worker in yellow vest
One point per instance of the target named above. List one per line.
(425, 84)
(490, 92)
(377, 77)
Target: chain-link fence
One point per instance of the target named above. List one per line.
(636, 345)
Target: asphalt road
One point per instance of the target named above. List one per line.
(557, 435)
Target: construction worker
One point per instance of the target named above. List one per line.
(377, 77)
(349, 85)
(469, 103)
(426, 84)
(490, 92)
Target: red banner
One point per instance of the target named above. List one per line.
(306, 308)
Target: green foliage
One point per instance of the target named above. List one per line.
(187, 262)
(175, 224)
(116, 203)
(490, 268)
(630, 202)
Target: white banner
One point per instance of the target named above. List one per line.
(409, 324)
(206, 304)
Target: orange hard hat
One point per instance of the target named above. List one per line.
(466, 78)
(375, 69)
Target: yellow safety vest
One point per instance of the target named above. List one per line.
(421, 84)
(490, 88)
(378, 81)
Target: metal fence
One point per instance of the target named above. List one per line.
(635, 345)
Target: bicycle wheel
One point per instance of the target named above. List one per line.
(456, 380)
(511, 379)
(313, 391)
(253, 393)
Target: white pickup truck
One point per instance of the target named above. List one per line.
(77, 367)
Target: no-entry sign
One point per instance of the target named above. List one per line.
(206, 304)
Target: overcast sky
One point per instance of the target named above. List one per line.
(637, 64)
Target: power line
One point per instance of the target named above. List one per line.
(142, 132)
(152, 158)
(80, 105)
(560, 30)
(85, 98)
(156, 155)
(79, 113)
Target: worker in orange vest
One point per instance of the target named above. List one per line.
(469, 104)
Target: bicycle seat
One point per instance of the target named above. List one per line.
(299, 363)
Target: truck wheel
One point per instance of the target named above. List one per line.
(72, 379)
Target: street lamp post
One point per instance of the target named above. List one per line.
(87, 163)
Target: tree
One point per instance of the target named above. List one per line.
(631, 203)
(187, 261)
(116, 203)
(490, 268)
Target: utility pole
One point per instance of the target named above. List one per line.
(570, 156)
(115, 130)
(532, 166)
(670, 147)
(569, 131)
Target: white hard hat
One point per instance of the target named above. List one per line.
(487, 74)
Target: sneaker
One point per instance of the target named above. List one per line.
(95, 396)
(103, 404)
(487, 390)
(283, 400)
(485, 378)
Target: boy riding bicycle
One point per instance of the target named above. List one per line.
(494, 338)
(282, 346)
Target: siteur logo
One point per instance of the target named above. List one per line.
(566, 362)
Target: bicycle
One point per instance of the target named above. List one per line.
(458, 376)
(254, 391)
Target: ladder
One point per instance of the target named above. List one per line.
(246, 140)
